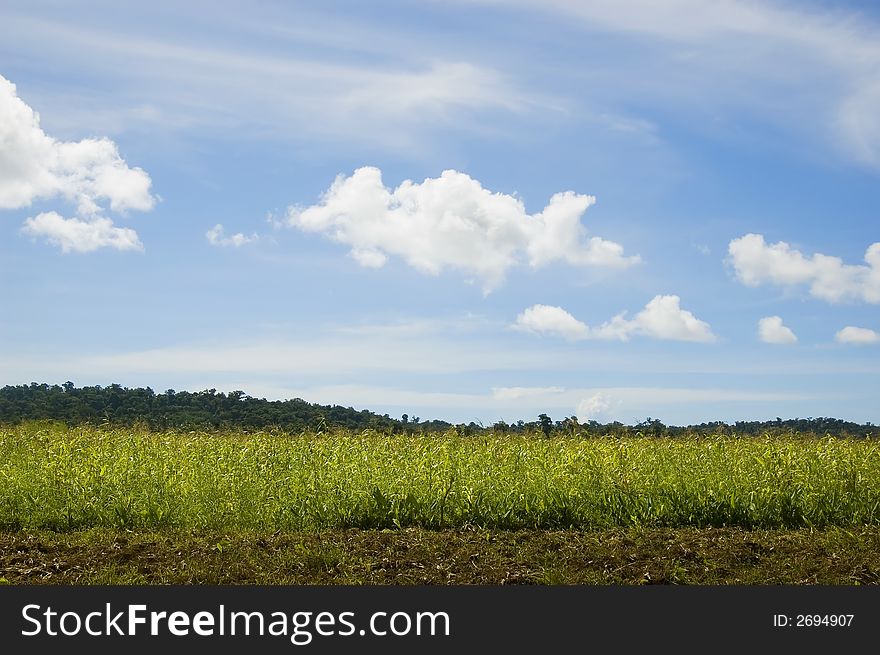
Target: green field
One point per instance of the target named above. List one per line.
(63, 479)
(321, 507)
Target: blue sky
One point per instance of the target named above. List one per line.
(467, 210)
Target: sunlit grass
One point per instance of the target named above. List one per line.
(65, 479)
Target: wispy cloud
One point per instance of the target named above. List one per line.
(417, 328)
(465, 347)
(300, 93)
(519, 393)
(332, 355)
(762, 58)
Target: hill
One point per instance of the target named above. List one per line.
(212, 409)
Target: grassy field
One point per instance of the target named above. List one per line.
(70, 479)
(332, 502)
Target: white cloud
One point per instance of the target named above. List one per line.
(662, 318)
(453, 222)
(857, 335)
(76, 235)
(771, 330)
(828, 277)
(88, 173)
(216, 236)
(555, 321)
(593, 407)
(35, 166)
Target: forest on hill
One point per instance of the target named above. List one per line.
(118, 405)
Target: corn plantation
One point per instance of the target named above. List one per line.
(67, 479)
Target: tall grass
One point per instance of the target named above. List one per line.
(63, 479)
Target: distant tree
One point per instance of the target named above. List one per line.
(546, 424)
(570, 426)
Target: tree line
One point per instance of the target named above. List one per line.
(177, 409)
(210, 409)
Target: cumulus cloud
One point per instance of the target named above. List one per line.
(89, 174)
(75, 235)
(452, 222)
(662, 318)
(550, 320)
(772, 330)
(33, 165)
(592, 407)
(756, 262)
(857, 336)
(216, 236)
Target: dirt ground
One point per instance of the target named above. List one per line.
(468, 556)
